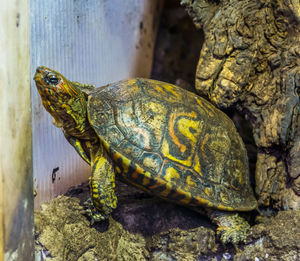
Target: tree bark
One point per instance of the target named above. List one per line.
(250, 60)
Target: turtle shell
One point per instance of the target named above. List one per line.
(172, 143)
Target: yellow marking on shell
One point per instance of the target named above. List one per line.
(106, 145)
(204, 141)
(139, 169)
(159, 89)
(206, 107)
(186, 199)
(165, 151)
(172, 90)
(197, 166)
(168, 90)
(131, 82)
(127, 180)
(184, 125)
(189, 183)
(222, 207)
(116, 156)
(146, 178)
(166, 191)
(171, 174)
(118, 169)
(208, 191)
(209, 204)
(203, 201)
(125, 164)
(187, 196)
(224, 198)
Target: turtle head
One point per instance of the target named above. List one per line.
(50, 82)
(63, 100)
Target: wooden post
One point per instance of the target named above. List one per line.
(1, 221)
(16, 190)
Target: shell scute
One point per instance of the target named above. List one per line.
(163, 91)
(173, 144)
(129, 149)
(151, 161)
(181, 138)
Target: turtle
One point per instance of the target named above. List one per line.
(157, 137)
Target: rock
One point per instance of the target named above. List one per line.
(146, 228)
(273, 238)
(178, 244)
(141, 228)
(67, 235)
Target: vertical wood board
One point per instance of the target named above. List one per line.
(16, 200)
(89, 41)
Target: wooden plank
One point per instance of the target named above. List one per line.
(1, 221)
(16, 222)
(95, 42)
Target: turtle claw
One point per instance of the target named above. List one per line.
(94, 215)
(233, 229)
(233, 235)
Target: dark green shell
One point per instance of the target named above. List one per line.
(172, 143)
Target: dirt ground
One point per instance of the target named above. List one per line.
(147, 228)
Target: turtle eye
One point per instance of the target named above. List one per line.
(52, 79)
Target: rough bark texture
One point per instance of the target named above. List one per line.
(250, 60)
(147, 228)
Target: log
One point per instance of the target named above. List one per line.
(16, 188)
(250, 62)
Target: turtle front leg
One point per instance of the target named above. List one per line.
(80, 146)
(232, 228)
(102, 188)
